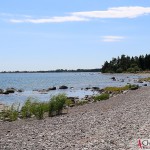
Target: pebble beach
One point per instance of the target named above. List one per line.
(113, 124)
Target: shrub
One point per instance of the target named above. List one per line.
(38, 110)
(56, 104)
(101, 97)
(26, 110)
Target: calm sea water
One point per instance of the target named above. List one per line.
(31, 81)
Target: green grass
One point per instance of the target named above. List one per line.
(81, 102)
(56, 104)
(10, 113)
(145, 79)
(34, 107)
(103, 96)
(116, 89)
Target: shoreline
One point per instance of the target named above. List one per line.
(97, 125)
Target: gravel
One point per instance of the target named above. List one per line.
(114, 124)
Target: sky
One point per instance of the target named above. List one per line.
(71, 34)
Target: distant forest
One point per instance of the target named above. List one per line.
(54, 71)
(127, 64)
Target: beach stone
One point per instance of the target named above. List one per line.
(63, 87)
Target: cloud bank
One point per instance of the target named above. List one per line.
(115, 12)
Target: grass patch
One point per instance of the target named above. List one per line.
(81, 102)
(56, 104)
(145, 79)
(10, 113)
(117, 89)
(133, 87)
(104, 96)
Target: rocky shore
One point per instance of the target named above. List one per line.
(114, 124)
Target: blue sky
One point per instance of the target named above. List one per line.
(71, 34)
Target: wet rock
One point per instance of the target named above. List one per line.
(42, 91)
(71, 87)
(140, 81)
(113, 78)
(101, 90)
(20, 90)
(51, 88)
(87, 88)
(63, 87)
(122, 80)
(95, 88)
(9, 90)
(73, 99)
(1, 91)
(144, 84)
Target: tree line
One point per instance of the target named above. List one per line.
(127, 64)
(55, 71)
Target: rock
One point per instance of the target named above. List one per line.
(122, 80)
(20, 90)
(63, 87)
(87, 88)
(95, 88)
(51, 88)
(124, 92)
(101, 90)
(5, 92)
(113, 78)
(1, 91)
(73, 99)
(10, 90)
(42, 91)
(71, 87)
(144, 84)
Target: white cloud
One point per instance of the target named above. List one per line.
(115, 12)
(51, 20)
(111, 38)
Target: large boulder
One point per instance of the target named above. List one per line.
(63, 87)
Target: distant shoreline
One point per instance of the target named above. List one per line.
(55, 71)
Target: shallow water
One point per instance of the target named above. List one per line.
(31, 81)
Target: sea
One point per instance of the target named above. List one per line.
(76, 82)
